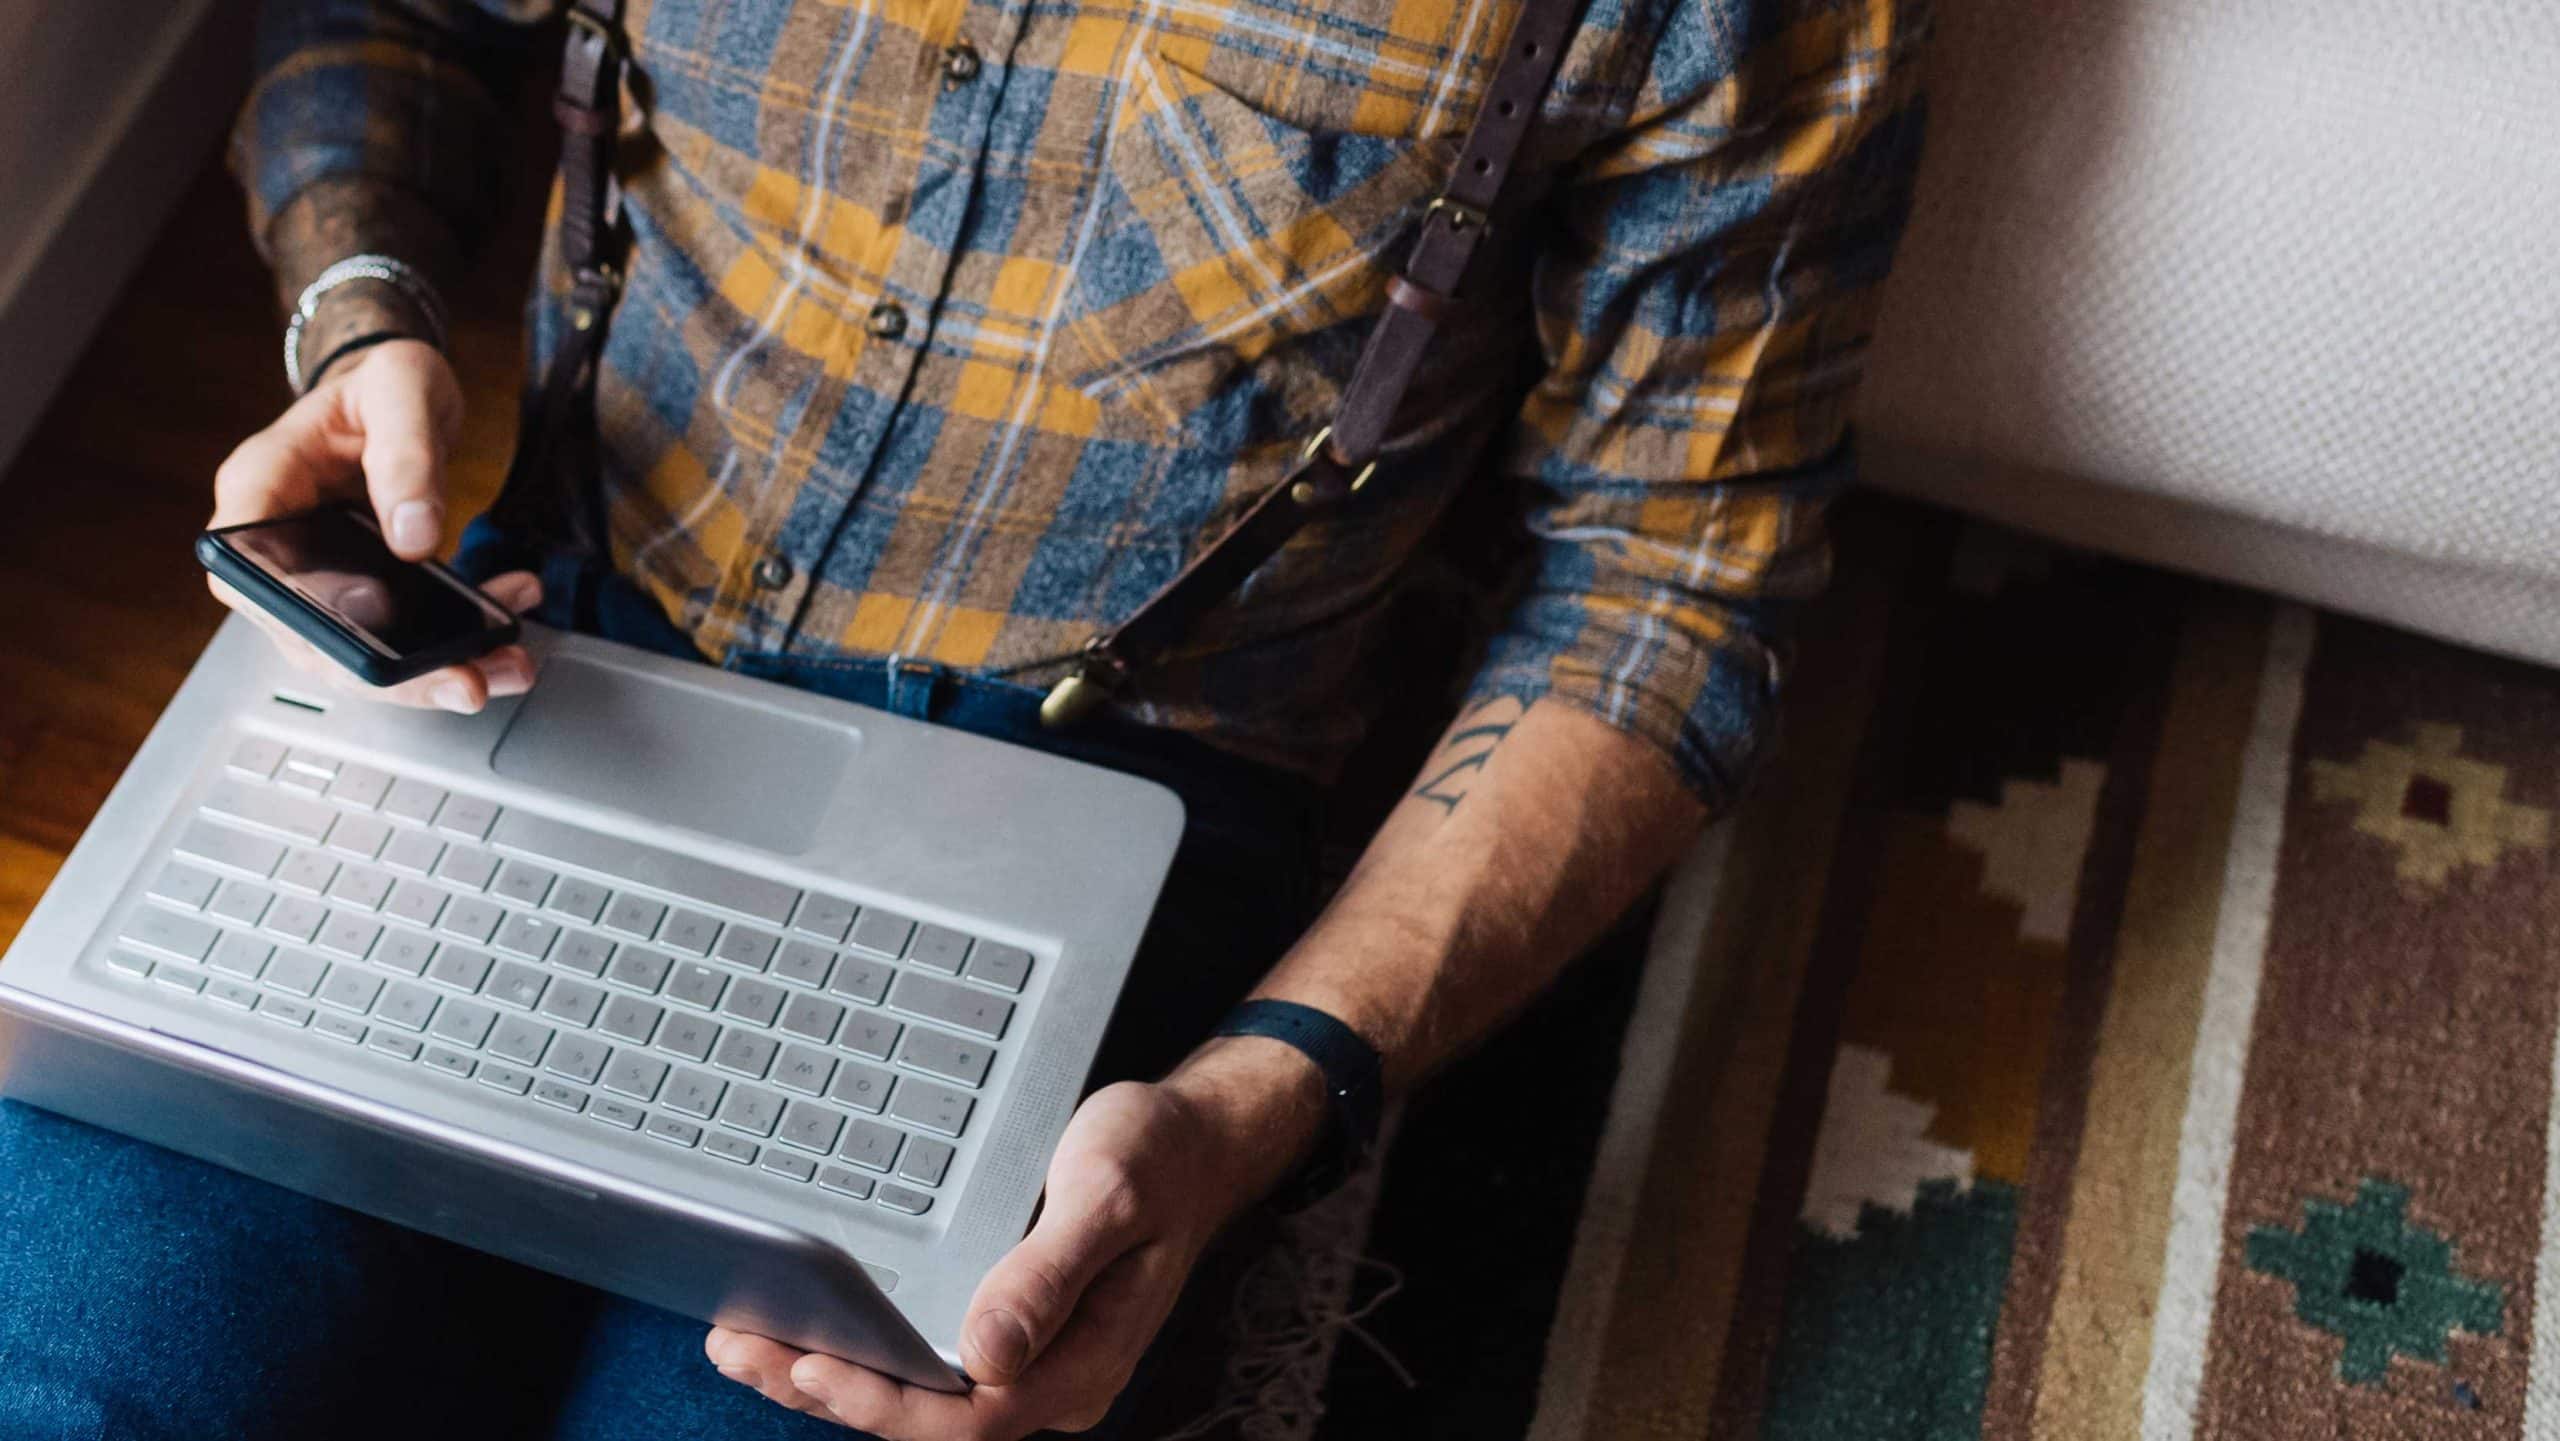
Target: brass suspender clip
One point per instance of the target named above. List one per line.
(1304, 492)
(581, 20)
(1461, 215)
(1097, 675)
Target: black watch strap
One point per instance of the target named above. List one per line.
(1352, 1086)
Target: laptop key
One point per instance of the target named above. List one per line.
(844, 1182)
(505, 1078)
(412, 801)
(575, 1002)
(349, 935)
(902, 1198)
(235, 994)
(693, 1093)
(934, 1107)
(168, 932)
(452, 1063)
(297, 918)
(520, 1040)
(970, 1010)
(360, 836)
(344, 1029)
(753, 1000)
(868, 1033)
(307, 871)
(185, 886)
(241, 955)
(297, 971)
(284, 1012)
(824, 917)
(801, 1069)
(744, 1052)
(673, 1131)
(413, 851)
(691, 932)
(640, 968)
(415, 903)
(516, 984)
(360, 786)
(462, 1023)
(350, 990)
(459, 967)
(803, 962)
(177, 977)
(311, 762)
(580, 900)
(746, 946)
(584, 952)
(471, 918)
(926, 1162)
(634, 915)
(257, 756)
(580, 1058)
(865, 1088)
(752, 1109)
(404, 952)
(863, 979)
(523, 883)
(730, 1148)
(691, 1037)
(783, 1163)
(882, 932)
(406, 1006)
(632, 1020)
(871, 1145)
(699, 881)
(361, 886)
(300, 817)
(1004, 967)
(242, 903)
(812, 1019)
(946, 1056)
(696, 984)
(635, 1075)
(224, 846)
(392, 1043)
(467, 816)
(529, 936)
(811, 1128)
(939, 948)
(468, 867)
(553, 1093)
(618, 1113)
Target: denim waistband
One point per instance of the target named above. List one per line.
(1259, 815)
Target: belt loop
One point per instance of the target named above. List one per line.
(914, 686)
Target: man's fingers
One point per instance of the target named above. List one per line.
(1092, 1217)
(403, 455)
(296, 463)
(762, 1366)
(518, 590)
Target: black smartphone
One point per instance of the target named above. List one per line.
(328, 574)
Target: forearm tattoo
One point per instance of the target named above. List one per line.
(334, 219)
(1453, 768)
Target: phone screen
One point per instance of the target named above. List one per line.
(337, 560)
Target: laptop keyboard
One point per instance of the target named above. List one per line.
(799, 1037)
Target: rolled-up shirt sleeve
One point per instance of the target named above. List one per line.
(1705, 308)
(415, 95)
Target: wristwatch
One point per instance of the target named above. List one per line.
(1352, 1086)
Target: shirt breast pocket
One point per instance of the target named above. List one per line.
(1231, 254)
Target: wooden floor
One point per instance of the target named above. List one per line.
(104, 605)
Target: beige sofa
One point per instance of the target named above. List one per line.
(2264, 289)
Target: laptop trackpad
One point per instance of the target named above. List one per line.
(667, 752)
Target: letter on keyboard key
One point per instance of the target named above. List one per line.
(528, 935)
(746, 946)
(766, 901)
(867, 1033)
(631, 1020)
(307, 871)
(459, 967)
(635, 1075)
(812, 1019)
(361, 886)
(802, 1069)
(824, 917)
(297, 918)
(516, 984)
(871, 1145)
(691, 1037)
(349, 935)
(351, 990)
(751, 1109)
(691, 932)
(224, 846)
(838, 1179)
(584, 952)
(406, 1006)
(403, 952)
(580, 1058)
(954, 1005)
(580, 900)
(756, 1001)
(744, 1052)
(463, 1024)
(634, 915)
(417, 904)
(884, 932)
(170, 933)
(300, 817)
(805, 963)
(947, 1056)
(524, 884)
(693, 1093)
(935, 1107)
(640, 968)
(697, 985)
(926, 1161)
(862, 979)
(575, 1002)
(519, 1040)
(865, 1088)
(811, 1128)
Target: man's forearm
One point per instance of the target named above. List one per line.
(333, 219)
(1525, 835)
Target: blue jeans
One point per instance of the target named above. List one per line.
(146, 1295)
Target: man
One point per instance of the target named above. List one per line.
(951, 329)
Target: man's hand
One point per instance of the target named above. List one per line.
(376, 428)
(1144, 1178)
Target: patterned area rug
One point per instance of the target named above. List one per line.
(2128, 1009)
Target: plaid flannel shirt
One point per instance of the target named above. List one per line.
(954, 328)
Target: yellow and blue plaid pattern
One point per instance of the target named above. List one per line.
(955, 327)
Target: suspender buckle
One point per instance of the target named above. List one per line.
(1304, 492)
(1461, 215)
(592, 293)
(579, 19)
(1097, 675)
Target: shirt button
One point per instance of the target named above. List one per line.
(888, 320)
(960, 63)
(773, 572)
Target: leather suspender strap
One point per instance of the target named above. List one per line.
(551, 488)
(1341, 458)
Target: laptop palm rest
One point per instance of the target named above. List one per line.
(677, 754)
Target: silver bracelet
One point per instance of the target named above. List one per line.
(398, 274)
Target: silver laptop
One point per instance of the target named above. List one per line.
(758, 1006)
